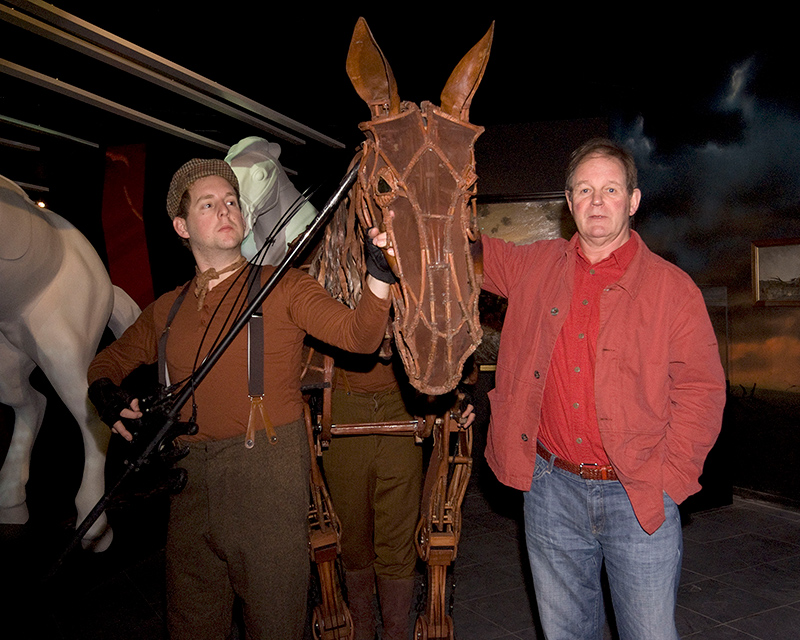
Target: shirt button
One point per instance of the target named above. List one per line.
(577, 369)
(554, 311)
(585, 302)
(536, 375)
(575, 405)
(581, 336)
(524, 437)
(591, 271)
(579, 440)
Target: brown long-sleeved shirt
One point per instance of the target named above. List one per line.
(380, 377)
(298, 305)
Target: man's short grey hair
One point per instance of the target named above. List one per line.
(609, 149)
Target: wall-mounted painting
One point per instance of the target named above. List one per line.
(776, 272)
(522, 221)
(542, 217)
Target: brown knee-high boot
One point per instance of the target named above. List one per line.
(360, 601)
(395, 598)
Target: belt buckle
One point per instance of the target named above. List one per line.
(586, 464)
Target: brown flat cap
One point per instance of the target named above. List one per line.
(194, 170)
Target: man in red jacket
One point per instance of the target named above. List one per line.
(609, 396)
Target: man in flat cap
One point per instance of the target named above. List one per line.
(239, 528)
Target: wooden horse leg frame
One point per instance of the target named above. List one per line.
(331, 618)
(439, 528)
(438, 531)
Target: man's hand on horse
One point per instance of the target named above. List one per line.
(466, 418)
(381, 238)
(379, 274)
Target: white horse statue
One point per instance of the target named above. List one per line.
(267, 197)
(55, 303)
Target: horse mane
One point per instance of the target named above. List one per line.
(338, 264)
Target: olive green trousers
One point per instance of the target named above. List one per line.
(375, 483)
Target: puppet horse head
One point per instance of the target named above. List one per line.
(417, 179)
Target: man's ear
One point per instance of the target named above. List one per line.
(636, 198)
(179, 224)
(568, 196)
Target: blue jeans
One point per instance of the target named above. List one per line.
(572, 526)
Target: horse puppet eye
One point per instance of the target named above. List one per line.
(383, 186)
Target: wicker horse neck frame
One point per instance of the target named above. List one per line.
(417, 179)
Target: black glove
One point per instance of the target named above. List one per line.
(109, 400)
(376, 263)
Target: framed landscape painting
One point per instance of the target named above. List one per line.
(776, 272)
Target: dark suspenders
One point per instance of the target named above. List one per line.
(255, 359)
(162, 341)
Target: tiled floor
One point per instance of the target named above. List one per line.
(741, 577)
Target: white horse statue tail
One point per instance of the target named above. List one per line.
(55, 303)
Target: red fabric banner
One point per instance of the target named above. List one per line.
(123, 223)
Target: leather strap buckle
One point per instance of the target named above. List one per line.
(596, 472)
(593, 470)
(586, 464)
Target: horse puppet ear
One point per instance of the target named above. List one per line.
(371, 74)
(463, 82)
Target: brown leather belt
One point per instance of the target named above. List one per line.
(586, 470)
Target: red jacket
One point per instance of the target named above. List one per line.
(659, 384)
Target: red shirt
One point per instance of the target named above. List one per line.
(569, 418)
(658, 382)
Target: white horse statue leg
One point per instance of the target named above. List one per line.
(28, 405)
(57, 300)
